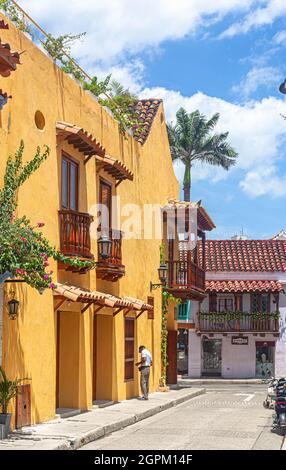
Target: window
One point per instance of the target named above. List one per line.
(260, 303)
(70, 172)
(225, 304)
(129, 348)
(105, 198)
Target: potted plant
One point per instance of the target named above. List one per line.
(8, 391)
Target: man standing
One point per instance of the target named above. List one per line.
(145, 364)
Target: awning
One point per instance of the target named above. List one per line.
(80, 139)
(88, 145)
(78, 294)
(114, 167)
(8, 60)
(205, 222)
(243, 286)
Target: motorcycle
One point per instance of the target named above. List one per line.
(271, 393)
(279, 418)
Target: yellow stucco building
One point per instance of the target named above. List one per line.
(76, 347)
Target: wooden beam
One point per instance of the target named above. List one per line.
(60, 304)
(86, 307)
(98, 309)
(117, 311)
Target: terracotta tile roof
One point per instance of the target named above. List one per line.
(245, 255)
(78, 294)
(147, 110)
(204, 220)
(243, 286)
(114, 167)
(8, 60)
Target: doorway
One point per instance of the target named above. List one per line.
(211, 357)
(182, 351)
(265, 353)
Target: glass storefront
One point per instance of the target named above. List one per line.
(265, 352)
(211, 357)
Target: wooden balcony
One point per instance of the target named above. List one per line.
(75, 234)
(112, 269)
(185, 278)
(242, 323)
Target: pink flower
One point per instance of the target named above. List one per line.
(52, 285)
(20, 271)
(51, 272)
(23, 239)
(46, 277)
(46, 263)
(40, 224)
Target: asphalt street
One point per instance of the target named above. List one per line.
(227, 417)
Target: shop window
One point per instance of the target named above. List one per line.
(129, 348)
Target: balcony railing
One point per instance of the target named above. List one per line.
(185, 275)
(112, 269)
(75, 233)
(238, 322)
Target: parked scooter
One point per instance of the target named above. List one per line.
(279, 418)
(271, 393)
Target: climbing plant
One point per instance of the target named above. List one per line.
(109, 93)
(24, 251)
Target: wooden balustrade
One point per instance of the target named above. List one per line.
(185, 275)
(75, 233)
(245, 322)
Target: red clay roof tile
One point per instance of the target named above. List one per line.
(243, 286)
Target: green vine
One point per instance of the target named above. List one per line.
(237, 315)
(24, 252)
(109, 93)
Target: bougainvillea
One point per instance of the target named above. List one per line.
(24, 251)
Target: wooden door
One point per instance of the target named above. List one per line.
(23, 406)
(94, 374)
(172, 357)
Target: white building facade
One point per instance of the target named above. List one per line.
(239, 329)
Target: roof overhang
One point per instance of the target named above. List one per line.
(243, 286)
(183, 208)
(89, 146)
(8, 60)
(64, 293)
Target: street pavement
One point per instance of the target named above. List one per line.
(227, 417)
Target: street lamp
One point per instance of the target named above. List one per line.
(163, 275)
(282, 87)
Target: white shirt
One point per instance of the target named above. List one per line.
(147, 354)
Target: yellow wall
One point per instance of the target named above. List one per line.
(30, 341)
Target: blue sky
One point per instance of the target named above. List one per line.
(224, 55)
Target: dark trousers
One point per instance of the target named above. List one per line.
(144, 381)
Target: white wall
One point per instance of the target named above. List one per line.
(194, 368)
(238, 361)
(280, 352)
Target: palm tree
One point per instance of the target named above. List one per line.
(191, 140)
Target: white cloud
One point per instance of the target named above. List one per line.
(256, 130)
(257, 77)
(280, 38)
(266, 13)
(117, 26)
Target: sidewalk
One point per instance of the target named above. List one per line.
(72, 433)
(186, 381)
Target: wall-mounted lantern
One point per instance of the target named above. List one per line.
(163, 275)
(104, 247)
(13, 308)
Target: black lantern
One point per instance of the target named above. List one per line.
(163, 272)
(282, 87)
(13, 307)
(104, 247)
(163, 276)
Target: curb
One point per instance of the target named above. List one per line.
(91, 436)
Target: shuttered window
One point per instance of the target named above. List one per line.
(69, 184)
(129, 348)
(105, 198)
